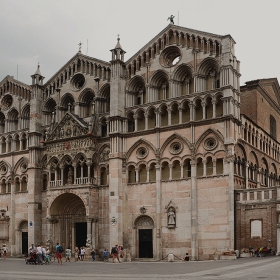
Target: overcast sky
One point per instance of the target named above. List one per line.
(48, 31)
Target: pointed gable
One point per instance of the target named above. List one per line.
(271, 87)
(70, 126)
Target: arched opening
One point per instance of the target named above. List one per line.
(219, 106)
(131, 174)
(199, 167)
(152, 172)
(151, 118)
(174, 114)
(176, 170)
(163, 115)
(142, 173)
(130, 122)
(144, 237)
(105, 101)
(103, 176)
(208, 108)
(185, 112)
(209, 166)
(140, 120)
(187, 168)
(165, 171)
(86, 108)
(70, 228)
(49, 108)
(198, 110)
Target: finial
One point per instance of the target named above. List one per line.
(80, 46)
(38, 65)
(118, 37)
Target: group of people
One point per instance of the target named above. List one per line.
(117, 252)
(42, 253)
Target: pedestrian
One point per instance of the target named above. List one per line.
(68, 254)
(44, 253)
(47, 256)
(92, 255)
(4, 251)
(82, 253)
(105, 255)
(31, 249)
(39, 254)
(76, 253)
(115, 253)
(187, 257)
(58, 253)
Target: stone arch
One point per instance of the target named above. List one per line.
(207, 64)
(205, 134)
(171, 138)
(20, 164)
(158, 77)
(139, 142)
(144, 221)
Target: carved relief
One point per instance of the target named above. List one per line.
(7, 102)
(104, 155)
(68, 127)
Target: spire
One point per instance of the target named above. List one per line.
(118, 45)
(38, 72)
(37, 77)
(118, 52)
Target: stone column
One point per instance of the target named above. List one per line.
(204, 167)
(12, 227)
(158, 211)
(148, 174)
(180, 115)
(214, 167)
(169, 115)
(214, 108)
(146, 120)
(75, 172)
(203, 104)
(170, 171)
(135, 123)
(89, 231)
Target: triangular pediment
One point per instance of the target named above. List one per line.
(70, 126)
(272, 89)
(11, 79)
(173, 28)
(71, 62)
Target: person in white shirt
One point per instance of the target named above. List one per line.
(39, 254)
(82, 253)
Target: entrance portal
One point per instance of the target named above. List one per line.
(69, 227)
(24, 242)
(145, 237)
(145, 243)
(81, 234)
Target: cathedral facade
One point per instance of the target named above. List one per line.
(156, 153)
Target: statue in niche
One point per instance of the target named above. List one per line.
(61, 132)
(70, 176)
(171, 217)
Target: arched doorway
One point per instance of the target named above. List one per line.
(23, 230)
(145, 236)
(68, 224)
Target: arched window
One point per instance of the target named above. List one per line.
(176, 170)
(131, 174)
(152, 172)
(187, 168)
(209, 166)
(103, 176)
(165, 171)
(219, 166)
(142, 173)
(199, 167)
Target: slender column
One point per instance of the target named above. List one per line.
(247, 174)
(148, 174)
(170, 171)
(137, 174)
(75, 172)
(204, 168)
(135, 123)
(61, 175)
(89, 231)
(182, 170)
(146, 115)
(169, 115)
(214, 167)
(203, 104)
(88, 166)
(214, 107)
(180, 115)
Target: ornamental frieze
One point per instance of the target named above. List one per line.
(71, 145)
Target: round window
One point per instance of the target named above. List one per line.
(210, 144)
(170, 56)
(78, 81)
(7, 102)
(176, 148)
(142, 152)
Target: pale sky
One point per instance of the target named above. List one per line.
(48, 31)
